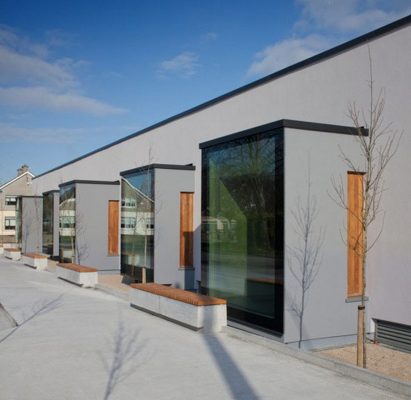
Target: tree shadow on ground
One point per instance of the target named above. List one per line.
(125, 358)
(236, 380)
(39, 308)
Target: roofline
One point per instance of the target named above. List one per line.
(75, 181)
(292, 68)
(17, 177)
(51, 191)
(189, 167)
(286, 123)
(29, 197)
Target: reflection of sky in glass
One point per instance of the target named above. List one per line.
(137, 221)
(142, 181)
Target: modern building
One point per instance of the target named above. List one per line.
(9, 191)
(258, 151)
(89, 224)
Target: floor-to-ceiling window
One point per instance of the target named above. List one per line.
(242, 227)
(48, 223)
(67, 237)
(137, 224)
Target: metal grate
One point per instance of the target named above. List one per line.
(392, 334)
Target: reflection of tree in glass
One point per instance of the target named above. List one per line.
(251, 172)
(137, 223)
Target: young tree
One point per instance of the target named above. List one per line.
(378, 143)
(304, 260)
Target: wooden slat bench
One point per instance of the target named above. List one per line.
(78, 274)
(35, 260)
(12, 253)
(193, 310)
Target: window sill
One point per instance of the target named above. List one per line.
(355, 299)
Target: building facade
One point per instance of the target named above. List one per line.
(255, 150)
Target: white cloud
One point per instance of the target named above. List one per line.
(30, 78)
(184, 64)
(333, 20)
(285, 53)
(42, 97)
(26, 69)
(350, 15)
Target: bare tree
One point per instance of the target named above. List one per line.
(378, 143)
(304, 260)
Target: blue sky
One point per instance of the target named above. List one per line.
(75, 75)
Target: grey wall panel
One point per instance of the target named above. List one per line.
(314, 157)
(92, 225)
(32, 224)
(168, 184)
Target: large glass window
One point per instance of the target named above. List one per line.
(242, 228)
(48, 205)
(67, 222)
(137, 224)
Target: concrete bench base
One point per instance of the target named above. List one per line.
(80, 275)
(34, 260)
(207, 318)
(12, 254)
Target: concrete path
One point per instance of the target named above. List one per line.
(74, 343)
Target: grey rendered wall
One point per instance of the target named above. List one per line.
(318, 93)
(167, 185)
(315, 157)
(32, 224)
(92, 225)
(56, 223)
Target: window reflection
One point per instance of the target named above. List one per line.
(242, 227)
(67, 221)
(48, 202)
(137, 225)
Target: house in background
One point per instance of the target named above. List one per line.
(9, 191)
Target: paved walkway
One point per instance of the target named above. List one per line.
(74, 343)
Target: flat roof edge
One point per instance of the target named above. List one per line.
(89, 182)
(280, 125)
(159, 166)
(292, 68)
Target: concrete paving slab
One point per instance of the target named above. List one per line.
(75, 343)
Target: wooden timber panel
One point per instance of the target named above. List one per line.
(113, 224)
(354, 233)
(186, 229)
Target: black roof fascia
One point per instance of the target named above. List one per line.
(73, 182)
(51, 191)
(292, 68)
(29, 197)
(159, 166)
(280, 125)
